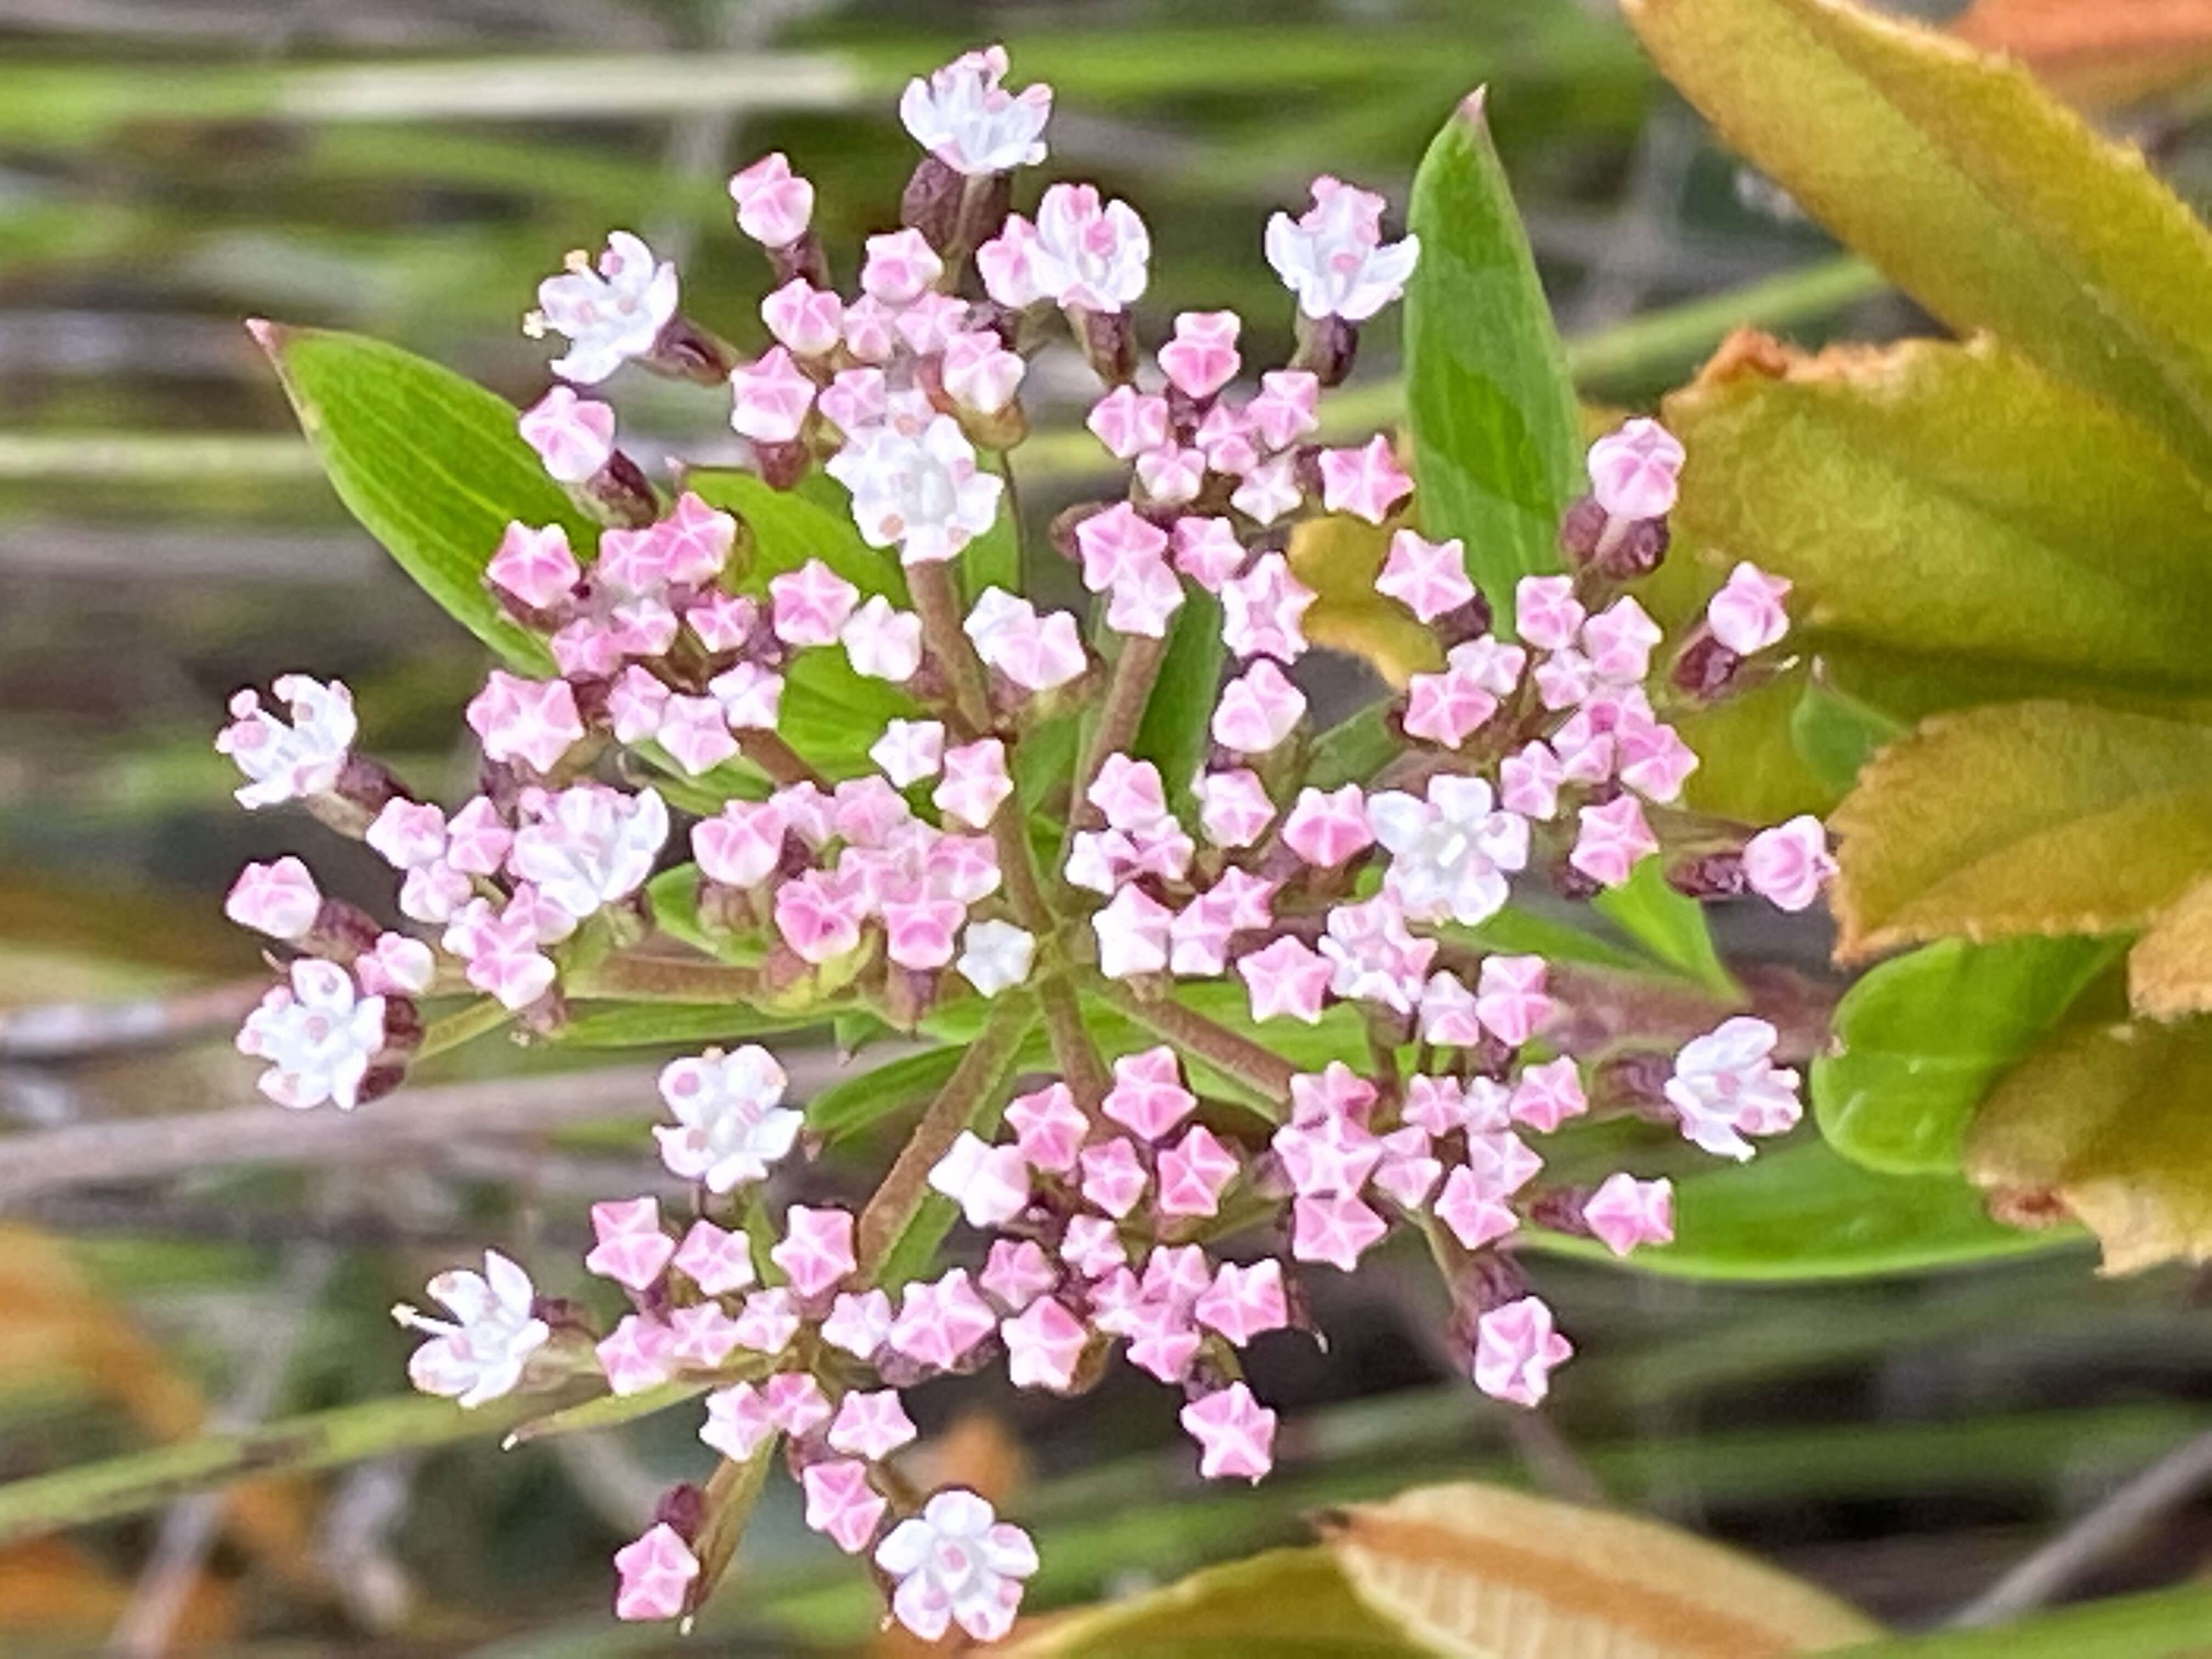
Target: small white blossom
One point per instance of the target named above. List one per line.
(965, 118)
(729, 1121)
(591, 847)
(1726, 1086)
(610, 314)
(956, 1562)
(1449, 852)
(1333, 258)
(924, 494)
(317, 1033)
(995, 956)
(479, 1353)
(289, 762)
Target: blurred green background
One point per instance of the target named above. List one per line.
(409, 168)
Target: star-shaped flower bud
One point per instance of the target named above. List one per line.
(1233, 807)
(1436, 1105)
(882, 642)
(929, 326)
(1192, 1173)
(1163, 1341)
(1130, 794)
(1367, 483)
(854, 399)
(1286, 408)
(279, 899)
(1269, 490)
(1171, 476)
(637, 704)
(940, 1320)
(1327, 1155)
(574, 437)
(1044, 1346)
(534, 566)
(1407, 1173)
(1516, 1349)
(722, 622)
(695, 732)
(1148, 1097)
(1633, 472)
(1529, 779)
(991, 1184)
(1447, 1013)
(1337, 1092)
(1143, 599)
(738, 1423)
(1048, 1127)
(1747, 615)
(1547, 1095)
(1619, 641)
(639, 1354)
(1262, 610)
(1624, 1212)
(962, 116)
(751, 696)
(631, 1250)
(1476, 1218)
(810, 606)
(909, 750)
(1509, 998)
(655, 1573)
(1652, 758)
(1337, 1230)
(704, 1335)
(995, 956)
(980, 373)
(806, 320)
(1132, 934)
(1612, 840)
(1207, 551)
(610, 312)
(976, 783)
(1113, 1178)
(1376, 958)
(1500, 1161)
(771, 398)
(1447, 709)
(1327, 829)
(859, 1324)
(773, 205)
(871, 335)
(533, 721)
(899, 268)
(818, 915)
(1428, 578)
(841, 1504)
(871, 1424)
(768, 1320)
(1016, 1272)
(1244, 1302)
(1202, 358)
(1129, 422)
(715, 1260)
(795, 1402)
(1258, 710)
(1789, 865)
(817, 1248)
(1092, 1246)
(1199, 937)
(740, 847)
(922, 933)
(1236, 1434)
(396, 966)
(1545, 613)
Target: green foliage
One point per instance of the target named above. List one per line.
(1496, 436)
(1173, 733)
(1667, 924)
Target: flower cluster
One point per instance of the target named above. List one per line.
(971, 877)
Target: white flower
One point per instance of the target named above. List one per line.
(1082, 252)
(991, 1184)
(924, 494)
(1725, 1087)
(1333, 256)
(590, 846)
(481, 1357)
(995, 956)
(965, 117)
(730, 1123)
(956, 1562)
(289, 762)
(317, 1033)
(611, 314)
(882, 642)
(1449, 852)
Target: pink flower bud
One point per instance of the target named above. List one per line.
(1633, 472)
(279, 899)
(773, 205)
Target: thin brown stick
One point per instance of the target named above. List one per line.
(72, 1030)
(939, 603)
(1233, 1055)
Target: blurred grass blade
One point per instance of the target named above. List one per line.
(2163, 1625)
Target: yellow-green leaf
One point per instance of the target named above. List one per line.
(2033, 817)
(1338, 558)
(1959, 526)
(2170, 970)
(1993, 205)
(2115, 1124)
(1486, 1572)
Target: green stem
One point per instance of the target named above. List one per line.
(1079, 1057)
(732, 1492)
(782, 763)
(668, 979)
(937, 598)
(967, 1093)
(1136, 667)
(462, 1026)
(1264, 1071)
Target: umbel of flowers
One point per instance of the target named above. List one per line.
(1118, 1206)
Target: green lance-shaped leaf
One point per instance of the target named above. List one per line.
(898, 1085)
(1979, 194)
(1669, 926)
(431, 464)
(1172, 734)
(2032, 817)
(1959, 526)
(1921, 1040)
(1804, 1212)
(1496, 439)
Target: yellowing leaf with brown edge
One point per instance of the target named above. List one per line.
(2096, 53)
(2029, 818)
(2170, 970)
(1338, 558)
(2114, 1123)
(1486, 1572)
